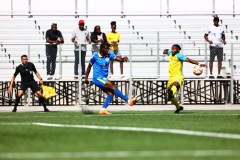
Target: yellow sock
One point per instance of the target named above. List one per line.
(174, 89)
(175, 102)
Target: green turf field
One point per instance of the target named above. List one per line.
(131, 135)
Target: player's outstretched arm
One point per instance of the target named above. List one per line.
(195, 62)
(121, 59)
(165, 51)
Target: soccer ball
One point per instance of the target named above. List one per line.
(197, 70)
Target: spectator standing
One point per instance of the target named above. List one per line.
(113, 38)
(53, 37)
(100, 63)
(80, 36)
(215, 36)
(26, 70)
(97, 37)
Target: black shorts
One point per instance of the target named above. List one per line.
(216, 51)
(33, 85)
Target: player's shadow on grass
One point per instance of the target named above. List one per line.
(184, 112)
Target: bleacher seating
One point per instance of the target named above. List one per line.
(144, 34)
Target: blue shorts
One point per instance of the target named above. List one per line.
(100, 82)
(115, 52)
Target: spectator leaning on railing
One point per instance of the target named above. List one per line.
(113, 38)
(79, 36)
(97, 37)
(53, 37)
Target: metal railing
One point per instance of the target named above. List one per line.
(148, 54)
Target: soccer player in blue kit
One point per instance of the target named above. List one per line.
(100, 63)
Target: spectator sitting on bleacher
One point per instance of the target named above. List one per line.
(53, 37)
(97, 37)
(215, 36)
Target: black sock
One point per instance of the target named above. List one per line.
(43, 101)
(17, 100)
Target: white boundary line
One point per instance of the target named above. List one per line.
(156, 130)
(120, 154)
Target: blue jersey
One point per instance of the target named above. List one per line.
(100, 65)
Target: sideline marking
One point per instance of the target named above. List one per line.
(156, 130)
(120, 154)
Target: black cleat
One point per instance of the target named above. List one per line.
(14, 110)
(170, 95)
(179, 109)
(46, 110)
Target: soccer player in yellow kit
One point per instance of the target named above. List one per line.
(176, 77)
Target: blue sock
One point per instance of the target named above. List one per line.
(107, 101)
(120, 94)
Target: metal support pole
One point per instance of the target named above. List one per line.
(130, 68)
(11, 8)
(29, 9)
(86, 8)
(76, 7)
(167, 6)
(28, 91)
(122, 8)
(182, 92)
(232, 85)
(158, 57)
(233, 8)
(182, 88)
(60, 61)
(160, 7)
(79, 75)
(213, 6)
(206, 70)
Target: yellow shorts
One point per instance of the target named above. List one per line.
(175, 79)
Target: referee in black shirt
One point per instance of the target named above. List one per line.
(26, 70)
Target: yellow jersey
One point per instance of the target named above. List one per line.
(113, 37)
(175, 64)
